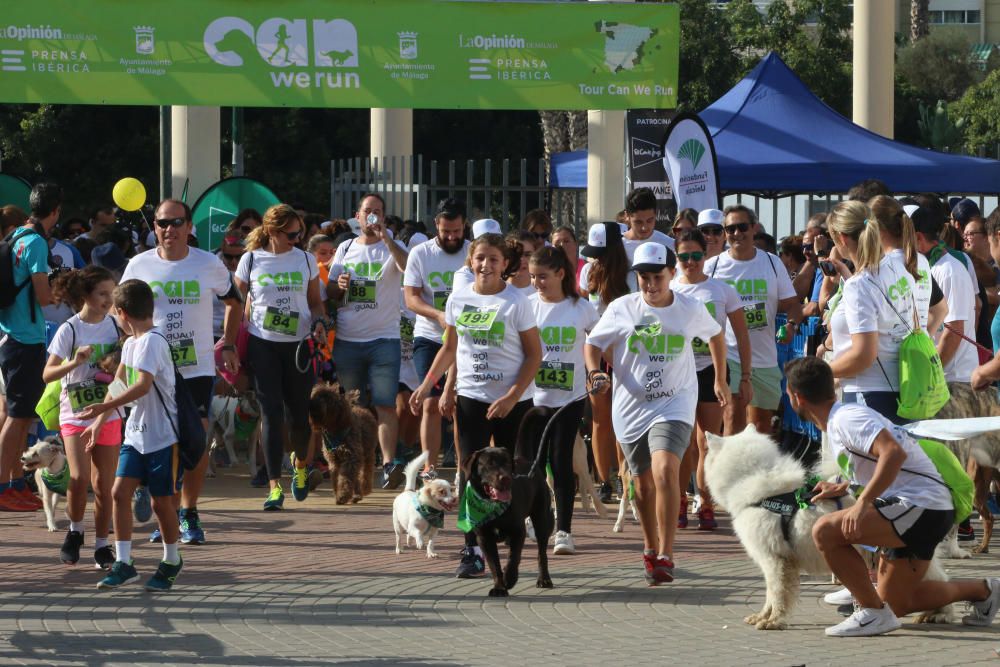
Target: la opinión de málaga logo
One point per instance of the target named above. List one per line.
(693, 150)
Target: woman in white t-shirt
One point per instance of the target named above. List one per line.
(492, 340)
(529, 243)
(564, 319)
(649, 339)
(723, 304)
(281, 284)
(76, 348)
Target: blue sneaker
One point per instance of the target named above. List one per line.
(156, 537)
(164, 578)
(300, 484)
(142, 508)
(275, 500)
(121, 574)
(191, 531)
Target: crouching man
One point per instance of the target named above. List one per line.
(905, 508)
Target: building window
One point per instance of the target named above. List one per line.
(954, 16)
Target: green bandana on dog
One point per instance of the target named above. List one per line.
(57, 483)
(433, 517)
(474, 510)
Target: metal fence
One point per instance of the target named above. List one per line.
(501, 189)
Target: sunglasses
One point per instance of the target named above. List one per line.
(711, 231)
(164, 223)
(690, 256)
(677, 229)
(246, 229)
(292, 235)
(739, 227)
(230, 257)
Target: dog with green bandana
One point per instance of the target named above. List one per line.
(419, 515)
(47, 460)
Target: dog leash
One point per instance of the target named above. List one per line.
(545, 432)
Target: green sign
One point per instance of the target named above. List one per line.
(342, 53)
(215, 209)
(16, 191)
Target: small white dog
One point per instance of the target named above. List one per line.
(747, 473)
(47, 459)
(626, 500)
(420, 514)
(234, 419)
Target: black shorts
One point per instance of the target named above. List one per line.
(22, 367)
(706, 384)
(201, 389)
(921, 530)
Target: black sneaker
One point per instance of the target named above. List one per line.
(619, 489)
(966, 533)
(104, 557)
(70, 552)
(259, 480)
(392, 475)
(472, 565)
(605, 493)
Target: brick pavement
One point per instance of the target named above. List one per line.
(319, 584)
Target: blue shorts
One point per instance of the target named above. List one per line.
(373, 364)
(424, 352)
(158, 471)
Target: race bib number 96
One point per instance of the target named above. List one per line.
(756, 316)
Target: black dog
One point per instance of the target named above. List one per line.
(492, 475)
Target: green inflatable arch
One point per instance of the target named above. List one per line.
(219, 204)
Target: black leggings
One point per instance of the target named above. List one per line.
(475, 431)
(283, 393)
(562, 437)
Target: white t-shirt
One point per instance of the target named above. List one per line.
(432, 269)
(657, 237)
(372, 309)
(654, 378)
(184, 297)
(279, 293)
(761, 283)
(852, 429)
(489, 354)
(595, 299)
(407, 370)
(79, 388)
(865, 308)
(924, 289)
(462, 279)
(148, 428)
(957, 287)
(720, 300)
(562, 326)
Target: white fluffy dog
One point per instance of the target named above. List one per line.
(47, 459)
(747, 468)
(232, 420)
(420, 514)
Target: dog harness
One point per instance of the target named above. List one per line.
(331, 442)
(474, 510)
(433, 517)
(57, 483)
(788, 504)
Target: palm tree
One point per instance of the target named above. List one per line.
(919, 19)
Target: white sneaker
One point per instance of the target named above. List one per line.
(529, 528)
(837, 598)
(983, 612)
(866, 622)
(564, 544)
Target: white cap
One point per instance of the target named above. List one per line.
(652, 256)
(711, 216)
(485, 226)
(416, 240)
(326, 223)
(355, 226)
(909, 209)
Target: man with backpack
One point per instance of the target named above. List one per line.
(24, 290)
(910, 496)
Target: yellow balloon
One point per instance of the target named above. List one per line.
(129, 194)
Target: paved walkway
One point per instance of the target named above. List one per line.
(319, 584)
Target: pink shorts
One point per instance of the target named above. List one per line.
(110, 434)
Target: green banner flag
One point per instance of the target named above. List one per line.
(217, 207)
(443, 54)
(16, 191)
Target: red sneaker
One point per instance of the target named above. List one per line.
(658, 570)
(706, 519)
(682, 514)
(29, 498)
(10, 501)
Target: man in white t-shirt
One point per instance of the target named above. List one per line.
(959, 357)
(905, 507)
(369, 270)
(765, 290)
(640, 209)
(427, 284)
(186, 282)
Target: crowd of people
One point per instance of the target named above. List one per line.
(642, 342)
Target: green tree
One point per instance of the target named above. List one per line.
(708, 66)
(979, 109)
(938, 66)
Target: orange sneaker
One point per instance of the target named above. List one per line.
(29, 498)
(10, 501)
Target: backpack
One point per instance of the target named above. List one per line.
(8, 288)
(189, 431)
(923, 389)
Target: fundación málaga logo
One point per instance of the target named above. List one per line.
(693, 150)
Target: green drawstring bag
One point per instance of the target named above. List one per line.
(922, 387)
(955, 478)
(48, 405)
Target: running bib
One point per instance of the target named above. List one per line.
(441, 298)
(756, 316)
(283, 323)
(406, 329)
(480, 319)
(361, 291)
(183, 353)
(84, 394)
(698, 346)
(555, 375)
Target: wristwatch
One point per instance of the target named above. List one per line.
(228, 348)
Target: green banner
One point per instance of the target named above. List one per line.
(441, 54)
(14, 190)
(215, 209)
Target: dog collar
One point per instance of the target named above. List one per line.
(474, 510)
(788, 504)
(434, 517)
(332, 441)
(59, 482)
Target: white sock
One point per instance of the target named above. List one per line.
(171, 554)
(123, 551)
(100, 542)
(667, 556)
(76, 527)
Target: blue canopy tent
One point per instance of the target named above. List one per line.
(569, 170)
(774, 137)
